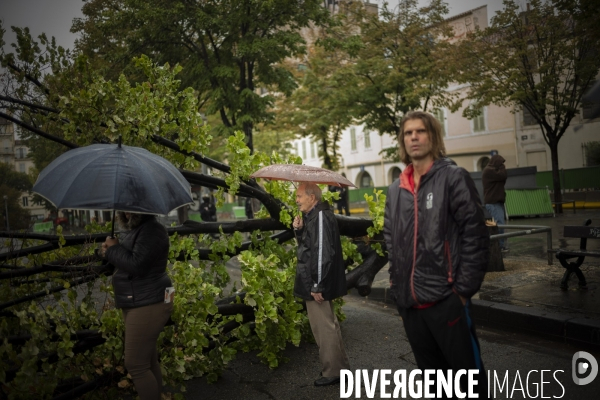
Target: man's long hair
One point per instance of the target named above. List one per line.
(434, 130)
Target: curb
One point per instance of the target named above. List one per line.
(559, 327)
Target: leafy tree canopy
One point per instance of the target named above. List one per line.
(398, 61)
(228, 48)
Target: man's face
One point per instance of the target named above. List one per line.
(305, 202)
(416, 140)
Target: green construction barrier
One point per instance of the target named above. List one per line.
(43, 226)
(194, 217)
(571, 179)
(239, 212)
(528, 203)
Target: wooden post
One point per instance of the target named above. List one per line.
(496, 262)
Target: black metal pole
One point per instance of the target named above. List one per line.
(112, 233)
(6, 212)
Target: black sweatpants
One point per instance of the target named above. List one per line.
(442, 337)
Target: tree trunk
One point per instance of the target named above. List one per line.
(182, 214)
(327, 162)
(248, 132)
(556, 175)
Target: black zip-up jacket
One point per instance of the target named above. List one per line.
(436, 238)
(321, 266)
(140, 260)
(493, 179)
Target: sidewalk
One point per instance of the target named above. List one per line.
(526, 298)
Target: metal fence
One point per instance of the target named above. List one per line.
(528, 230)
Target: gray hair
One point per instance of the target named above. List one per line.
(311, 188)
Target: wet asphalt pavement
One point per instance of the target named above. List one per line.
(375, 337)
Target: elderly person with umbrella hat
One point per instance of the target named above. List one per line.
(141, 184)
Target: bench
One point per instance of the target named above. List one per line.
(584, 233)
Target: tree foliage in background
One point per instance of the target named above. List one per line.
(12, 185)
(228, 49)
(397, 61)
(319, 109)
(542, 59)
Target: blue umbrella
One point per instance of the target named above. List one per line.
(113, 177)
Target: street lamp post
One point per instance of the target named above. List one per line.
(6, 212)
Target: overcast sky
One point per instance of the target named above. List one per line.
(55, 17)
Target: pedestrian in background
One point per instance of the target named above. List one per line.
(493, 179)
(321, 278)
(208, 211)
(140, 283)
(438, 249)
(248, 208)
(342, 202)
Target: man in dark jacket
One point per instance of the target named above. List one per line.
(208, 211)
(320, 278)
(438, 248)
(493, 179)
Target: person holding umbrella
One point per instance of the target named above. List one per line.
(320, 278)
(140, 284)
(139, 184)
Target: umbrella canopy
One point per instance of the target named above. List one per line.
(301, 173)
(113, 177)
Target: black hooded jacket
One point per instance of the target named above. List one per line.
(140, 260)
(493, 179)
(320, 262)
(436, 238)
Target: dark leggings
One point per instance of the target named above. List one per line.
(142, 327)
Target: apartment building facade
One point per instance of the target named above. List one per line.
(14, 152)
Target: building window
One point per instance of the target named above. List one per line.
(365, 180)
(479, 120)
(438, 113)
(25, 201)
(297, 149)
(395, 174)
(367, 135)
(591, 109)
(482, 163)
(353, 139)
(304, 149)
(313, 146)
(21, 152)
(22, 167)
(528, 119)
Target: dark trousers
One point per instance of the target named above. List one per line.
(342, 206)
(443, 337)
(142, 327)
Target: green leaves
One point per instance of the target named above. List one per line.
(136, 112)
(269, 282)
(376, 212)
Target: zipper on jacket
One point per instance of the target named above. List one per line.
(447, 248)
(412, 274)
